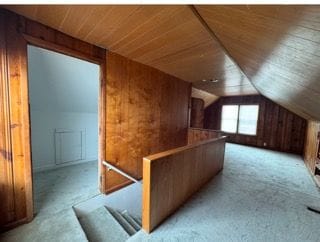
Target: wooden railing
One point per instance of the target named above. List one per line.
(171, 177)
(195, 134)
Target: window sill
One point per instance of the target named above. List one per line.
(239, 134)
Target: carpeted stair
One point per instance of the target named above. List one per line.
(105, 224)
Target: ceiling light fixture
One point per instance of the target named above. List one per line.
(204, 80)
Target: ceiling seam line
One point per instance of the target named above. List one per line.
(216, 38)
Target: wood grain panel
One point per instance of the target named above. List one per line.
(167, 37)
(277, 48)
(196, 135)
(171, 177)
(311, 145)
(278, 128)
(6, 178)
(15, 166)
(197, 113)
(142, 119)
(15, 146)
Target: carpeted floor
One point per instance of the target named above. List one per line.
(55, 192)
(59, 189)
(261, 195)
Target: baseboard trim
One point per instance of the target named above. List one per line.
(14, 224)
(54, 166)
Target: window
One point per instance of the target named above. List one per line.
(240, 119)
(248, 119)
(229, 121)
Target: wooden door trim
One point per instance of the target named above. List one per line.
(15, 99)
(61, 49)
(101, 99)
(7, 208)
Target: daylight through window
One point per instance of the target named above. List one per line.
(240, 119)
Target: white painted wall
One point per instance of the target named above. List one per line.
(63, 95)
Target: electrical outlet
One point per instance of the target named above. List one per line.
(264, 144)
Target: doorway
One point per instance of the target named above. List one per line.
(63, 98)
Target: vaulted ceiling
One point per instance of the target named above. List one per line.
(277, 47)
(272, 49)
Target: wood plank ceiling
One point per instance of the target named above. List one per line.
(168, 38)
(276, 47)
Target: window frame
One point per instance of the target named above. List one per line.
(237, 131)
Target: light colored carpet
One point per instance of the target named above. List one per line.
(100, 226)
(261, 195)
(55, 192)
(59, 189)
(127, 198)
(61, 227)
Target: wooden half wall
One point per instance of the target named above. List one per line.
(278, 128)
(171, 177)
(196, 135)
(147, 112)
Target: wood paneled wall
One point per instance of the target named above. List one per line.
(196, 135)
(142, 117)
(197, 113)
(278, 128)
(15, 162)
(147, 112)
(16, 32)
(312, 145)
(171, 177)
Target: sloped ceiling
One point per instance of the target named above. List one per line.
(168, 38)
(275, 48)
(74, 88)
(207, 97)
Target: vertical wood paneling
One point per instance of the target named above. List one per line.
(278, 128)
(15, 124)
(311, 145)
(147, 112)
(6, 178)
(102, 124)
(16, 205)
(197, 113)
(171, 177)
